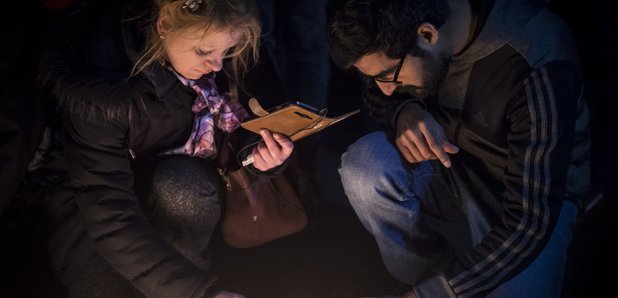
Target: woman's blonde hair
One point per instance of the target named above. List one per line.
(210, 16)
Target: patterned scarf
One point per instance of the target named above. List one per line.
(210, 108)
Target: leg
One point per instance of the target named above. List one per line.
(543, 277)
(184, 205)
(98, 280)
(387, 199)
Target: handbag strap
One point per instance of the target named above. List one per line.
(224, 156)
(237, 179)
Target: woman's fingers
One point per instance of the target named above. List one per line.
(273, 151)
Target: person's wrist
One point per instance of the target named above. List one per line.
(415, 104)
(406, 106)
(411, 107)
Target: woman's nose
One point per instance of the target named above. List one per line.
(215, 63)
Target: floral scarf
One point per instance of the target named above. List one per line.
(210, 108)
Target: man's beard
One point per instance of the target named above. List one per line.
(435, 69)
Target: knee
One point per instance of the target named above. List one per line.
(184, 188)
(366, 163)
(364, 152)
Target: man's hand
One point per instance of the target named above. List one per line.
(419, 137)
(272, 152)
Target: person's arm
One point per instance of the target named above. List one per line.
(542, 123)
(101, 175)
(383, 109)
(70, 72)
(417, 135)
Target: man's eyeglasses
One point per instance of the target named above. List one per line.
(396, 75)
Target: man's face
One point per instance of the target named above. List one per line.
(419, 75)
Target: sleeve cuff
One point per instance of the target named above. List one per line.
(435, 287)
(212, 291)
(398, 109)
(207, 289)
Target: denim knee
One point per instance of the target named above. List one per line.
(371, 165)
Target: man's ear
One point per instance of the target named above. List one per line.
(427, 35)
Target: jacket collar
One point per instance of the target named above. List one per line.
(134, 34)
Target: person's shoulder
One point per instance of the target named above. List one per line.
(106, 100)
(546, 38)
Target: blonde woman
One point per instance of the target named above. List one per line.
(146, 113)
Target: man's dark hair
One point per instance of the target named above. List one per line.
(360, 27)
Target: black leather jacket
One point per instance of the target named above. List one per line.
(112, 122)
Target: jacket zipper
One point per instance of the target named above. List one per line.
(131, 153)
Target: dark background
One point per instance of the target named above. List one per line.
(334, 256)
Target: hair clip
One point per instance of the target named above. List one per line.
(192, 5)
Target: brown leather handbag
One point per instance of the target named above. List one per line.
(259, 209)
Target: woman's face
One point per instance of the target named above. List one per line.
(193, 54)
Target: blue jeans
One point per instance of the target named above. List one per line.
(395, 202)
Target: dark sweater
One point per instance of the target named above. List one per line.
(512, 102)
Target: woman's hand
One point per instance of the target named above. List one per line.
(272, 152)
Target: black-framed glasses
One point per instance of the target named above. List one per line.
(396, 74)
